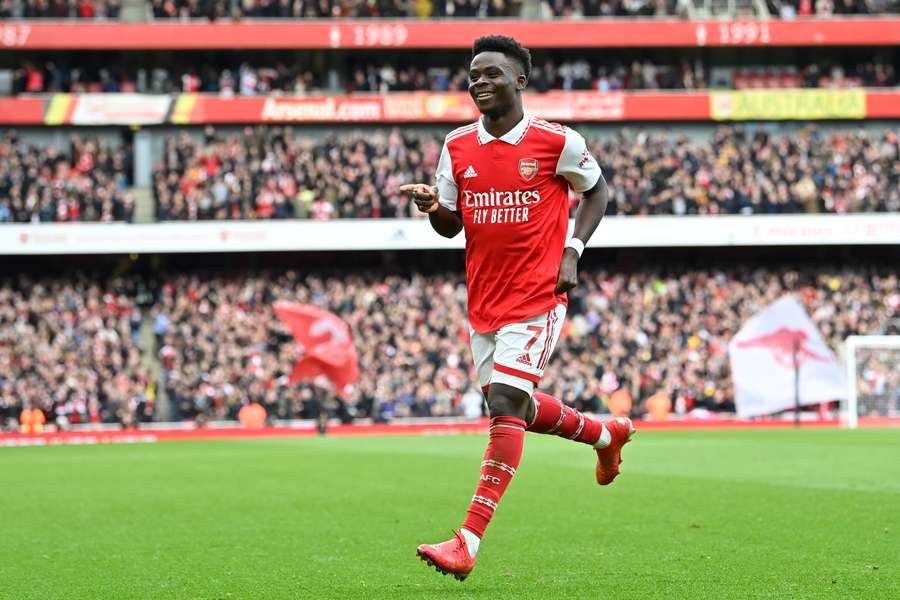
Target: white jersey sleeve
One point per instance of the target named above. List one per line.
(446, 185)
(577, 164)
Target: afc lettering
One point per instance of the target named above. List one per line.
(491, 479)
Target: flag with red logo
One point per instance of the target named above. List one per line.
(765, 352)
(326, 342)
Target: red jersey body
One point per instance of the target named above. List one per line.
(513, 195)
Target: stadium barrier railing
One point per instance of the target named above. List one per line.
(415, 234)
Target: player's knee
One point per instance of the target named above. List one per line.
(507, 401)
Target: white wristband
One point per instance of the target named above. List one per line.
(576, 244)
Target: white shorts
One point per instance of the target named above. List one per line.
(517, 354)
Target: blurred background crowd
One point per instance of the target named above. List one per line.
(102, 75)
(75, 348)
(283, 173)
(280, 173)
(70, 347)
(319, 9)
(88, 181)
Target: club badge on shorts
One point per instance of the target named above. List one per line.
(528, 168)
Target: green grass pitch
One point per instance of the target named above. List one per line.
(711, 514)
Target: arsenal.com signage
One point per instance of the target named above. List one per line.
(311, 110)
(414, 234)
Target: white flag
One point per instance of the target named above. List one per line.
(762, 361)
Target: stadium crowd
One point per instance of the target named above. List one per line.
(318, 9)
(278, 173)
(878, 381)
(60, 9)
(580, 74)
(275, 173)
(572, 9)
(70, 348)
(89, 182)
(640, 332)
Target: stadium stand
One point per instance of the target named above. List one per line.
(220, 344)
(283, 147)
(89, 182)
(642, 332)
(101, 75)
(70, 347)
(276, 173)
(273, 173)
(319, 9)
(60, 9)
(311, 9)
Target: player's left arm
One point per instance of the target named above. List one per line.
(582, 172)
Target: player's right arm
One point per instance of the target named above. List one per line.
(440, 201)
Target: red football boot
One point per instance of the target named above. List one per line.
(609, 458)
(450, 558)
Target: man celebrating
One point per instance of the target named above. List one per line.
(505, 179)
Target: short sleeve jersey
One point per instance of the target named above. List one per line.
(512, 193)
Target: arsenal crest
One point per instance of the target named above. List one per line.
(528, 168)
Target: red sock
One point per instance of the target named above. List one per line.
(553, 417)
(501, 459)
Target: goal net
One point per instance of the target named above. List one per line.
(873, 377)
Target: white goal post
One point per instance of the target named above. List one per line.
(873, 376)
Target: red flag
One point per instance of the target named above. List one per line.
(327, 345)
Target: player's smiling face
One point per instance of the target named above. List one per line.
(494, 82)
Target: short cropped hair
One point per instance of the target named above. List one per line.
(506, 46)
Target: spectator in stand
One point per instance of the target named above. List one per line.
(580, 74)
(275, 173)
(791, 9)
(635, 334)
(89, 183)
(654, 173)
(60, 9)
(319, 9)
(71, 349)
(272, 173)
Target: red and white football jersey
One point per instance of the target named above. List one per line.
(512, 193)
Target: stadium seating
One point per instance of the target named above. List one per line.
(73, 348)
(89, 182)
(235, 77)
(311, 9)
(61, 9)
(279, 173)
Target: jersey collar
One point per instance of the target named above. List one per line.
(513, 136)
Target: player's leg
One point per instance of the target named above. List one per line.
(508, 406)
(523, 351)
(508, 403)
(552, 416)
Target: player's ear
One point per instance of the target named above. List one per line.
(521, 82)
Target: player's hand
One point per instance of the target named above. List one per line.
(568, 271)
(425, 196)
